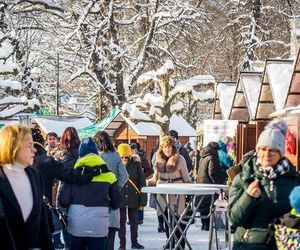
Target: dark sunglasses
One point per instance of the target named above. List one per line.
(125, 157)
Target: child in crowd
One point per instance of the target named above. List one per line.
(89, 201)
(287, 233)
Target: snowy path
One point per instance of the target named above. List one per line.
(152, 240)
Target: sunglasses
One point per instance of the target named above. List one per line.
(125, 157)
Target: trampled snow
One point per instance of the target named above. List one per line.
(152, 240)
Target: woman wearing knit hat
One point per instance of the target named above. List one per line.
(170, 167)
(132, 198)
(259, 193)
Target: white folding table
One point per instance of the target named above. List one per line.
(223, 188)
(172, 221)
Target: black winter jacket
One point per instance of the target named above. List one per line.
(35, 232)
(51, 169)
(130, 196)
(209, 170)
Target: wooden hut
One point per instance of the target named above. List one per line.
(122, 129)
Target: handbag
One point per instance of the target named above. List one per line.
(58, 218)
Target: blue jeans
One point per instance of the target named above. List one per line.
(90, 243)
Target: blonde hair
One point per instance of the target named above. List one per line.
(11, 140)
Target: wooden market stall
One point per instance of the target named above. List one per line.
(122, 129)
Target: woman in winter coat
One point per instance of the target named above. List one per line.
(67, 154)
(89, 204)
(259, 193)
(132, 198)
(114, 162)
(23, 218)
(170, 167)
(209, 172)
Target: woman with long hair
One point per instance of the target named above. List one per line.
(67, 154)
(23, 220)
(170, 167)
(114, 162)
(67, 151)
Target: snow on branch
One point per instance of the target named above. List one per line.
(159, 107)
(45, 4)
(11, 84)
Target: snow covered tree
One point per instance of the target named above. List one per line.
(165, 99)
(20, 28)
(114, 42)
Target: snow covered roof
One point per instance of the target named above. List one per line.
(276, 79)
(177, 123)
(223, 100)
(280, 75)
(196, 80)
(293, 95)
(240, 109)
(251, 83)
(59, 124)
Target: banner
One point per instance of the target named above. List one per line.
(215, 130)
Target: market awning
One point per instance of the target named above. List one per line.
(91, 130)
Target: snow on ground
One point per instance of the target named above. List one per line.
(152, 240)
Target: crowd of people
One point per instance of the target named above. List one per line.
(97, 186)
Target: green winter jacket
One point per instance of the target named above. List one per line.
(252, 216)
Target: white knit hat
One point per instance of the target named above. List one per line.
(273, 136)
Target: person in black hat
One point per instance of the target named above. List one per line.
(181, 149)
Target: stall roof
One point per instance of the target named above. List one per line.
(223, 99)
(245, 95)
(251, 82)
(177, 123)
(293, 95)
(273, 91)
(59, 124)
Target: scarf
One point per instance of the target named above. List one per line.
(166, 165)
(271, 173)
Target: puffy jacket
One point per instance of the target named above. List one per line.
(92, 200)
(130, 196)
(209, 170)
(224, 158)
(252, 216)
(51, 169)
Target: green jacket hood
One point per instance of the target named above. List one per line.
(93, 160)
(90, 160)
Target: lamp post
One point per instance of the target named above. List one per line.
(57, 85)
